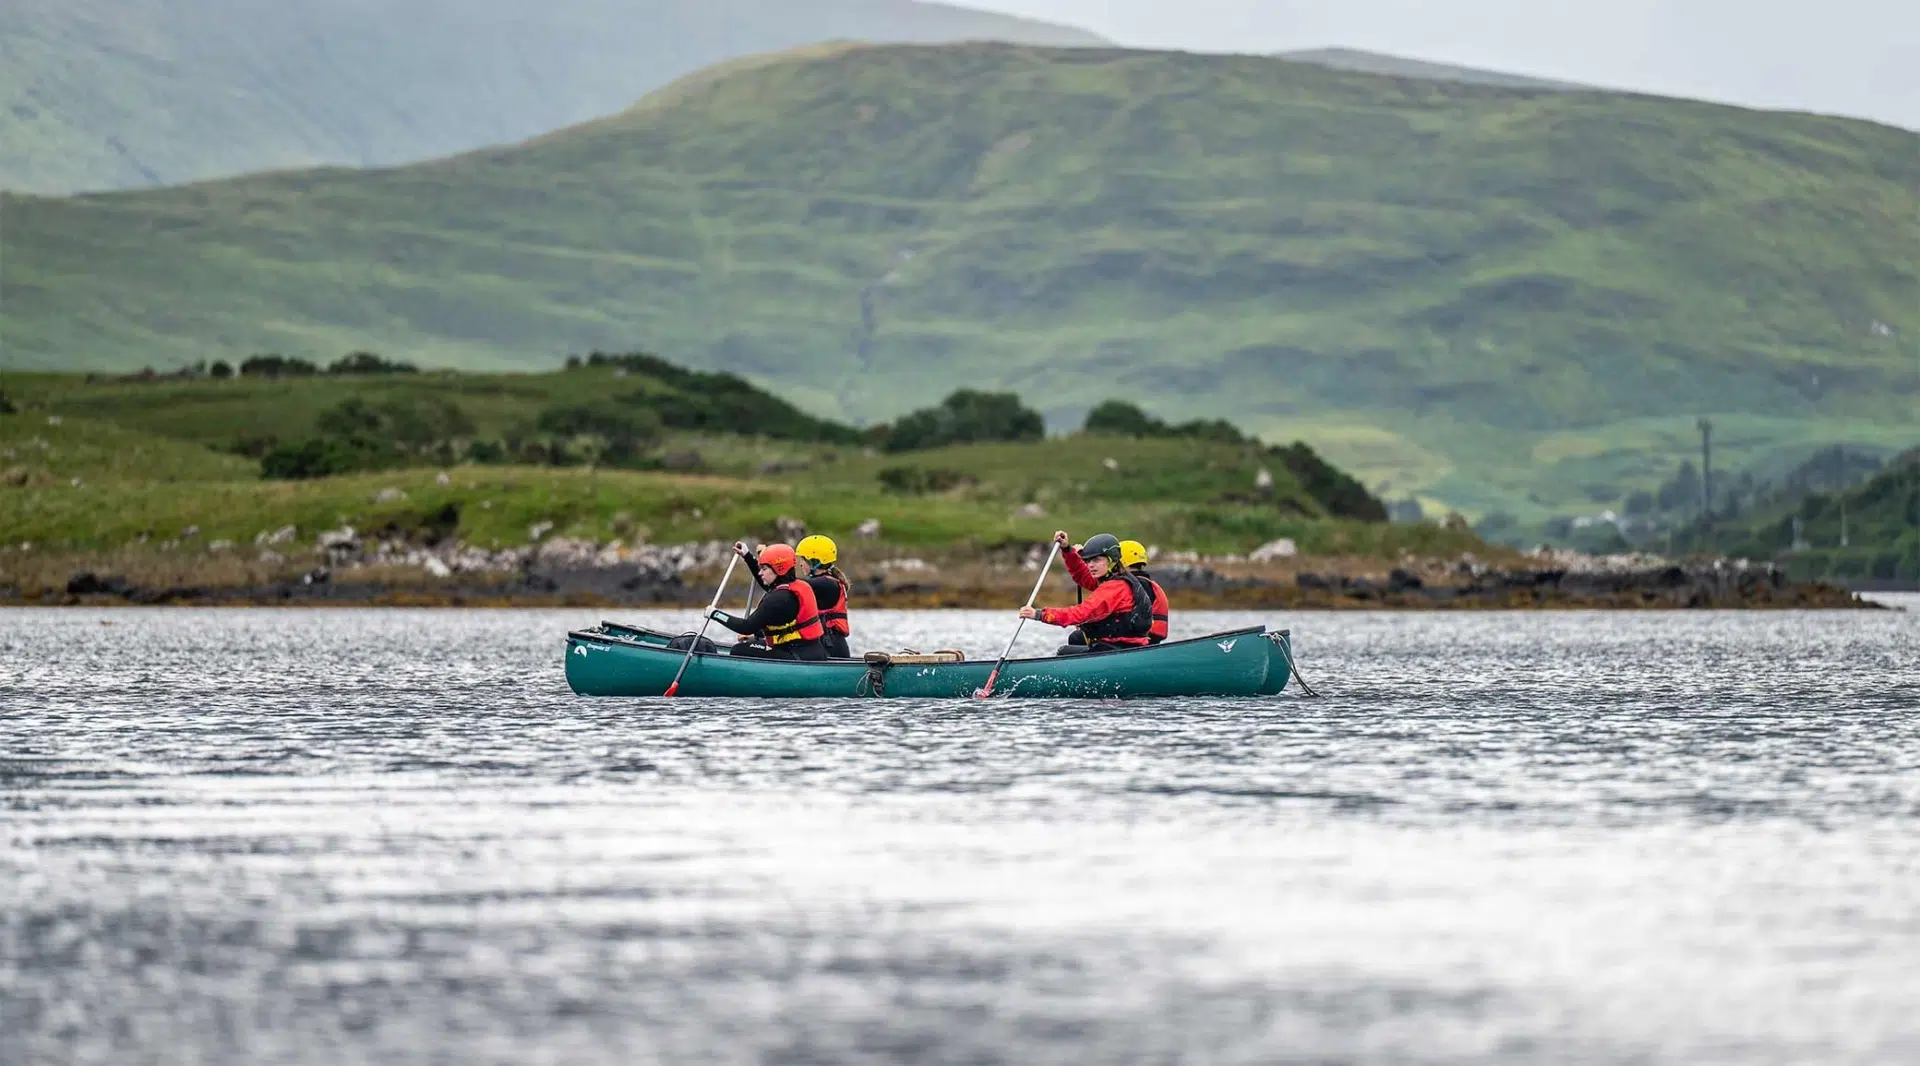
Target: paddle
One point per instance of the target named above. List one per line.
(753, 582)
(987, 690)
(705, 617)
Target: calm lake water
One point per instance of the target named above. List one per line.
(257, 836)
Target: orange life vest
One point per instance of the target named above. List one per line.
(806, 623)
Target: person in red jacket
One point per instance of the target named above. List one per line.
(1118, 614)
(788, 620)
(1133, 556)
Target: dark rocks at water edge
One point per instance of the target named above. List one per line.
(1709, 584)
(533, 586)
(1549, 583)
(344, 567)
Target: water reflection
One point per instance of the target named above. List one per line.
(263, 836)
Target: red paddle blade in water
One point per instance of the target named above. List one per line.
(673, 688)
(987, 690)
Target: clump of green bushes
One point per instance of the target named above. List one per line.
(355, 436)
(1339, 493)
(965, 417)
(1122, 419)
(715, 401)
(271, 365)
(369, 363)
(274, 365)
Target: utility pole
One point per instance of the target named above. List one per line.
(1706, 474)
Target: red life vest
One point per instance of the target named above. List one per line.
(834, 615)
(805, 625)
(1160, 610)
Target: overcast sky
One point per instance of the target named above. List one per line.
(1852, 57)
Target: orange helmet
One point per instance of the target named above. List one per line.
(778, 556)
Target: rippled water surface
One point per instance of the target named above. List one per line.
(395, 836)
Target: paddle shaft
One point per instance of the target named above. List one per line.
(987, 690)
(705, 617)
(753, 582)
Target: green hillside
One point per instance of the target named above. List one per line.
(1868, 531)
(1488, 298)
(99, 94)
(110, 464)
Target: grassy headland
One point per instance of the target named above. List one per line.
(159, 480)
(622, 480)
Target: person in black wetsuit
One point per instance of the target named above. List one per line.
(830, 590)
(787, 623)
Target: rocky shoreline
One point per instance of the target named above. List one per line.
(559, 572)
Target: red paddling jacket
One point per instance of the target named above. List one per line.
(1083, 577)
(1118, 612)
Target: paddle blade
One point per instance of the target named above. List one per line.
(673, 688)
(987, 689)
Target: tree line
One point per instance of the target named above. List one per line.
(271, 365)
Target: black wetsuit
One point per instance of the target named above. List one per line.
(780, 607)
(827, 592)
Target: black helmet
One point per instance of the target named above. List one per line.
(1102, 544)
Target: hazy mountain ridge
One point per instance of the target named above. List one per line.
(98, 94)
(1365, 62)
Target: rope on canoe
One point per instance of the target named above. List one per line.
(874, 682)
(1286, 649)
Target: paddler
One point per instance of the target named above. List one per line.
(1133, 556)
(1117, 614)
(787, 623)
(830, 591)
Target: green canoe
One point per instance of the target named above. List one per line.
(620, 660)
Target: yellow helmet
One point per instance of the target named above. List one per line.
(817, 549)
(1132, 553)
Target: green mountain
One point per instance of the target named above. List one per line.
(1402, 67)
(99, 94)
(1486, 298)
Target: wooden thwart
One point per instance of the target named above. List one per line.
(912, 658)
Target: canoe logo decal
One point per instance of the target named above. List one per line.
(579, 649)
(1227, 645)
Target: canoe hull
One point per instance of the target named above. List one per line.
(1279, 662)
(633, 663)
